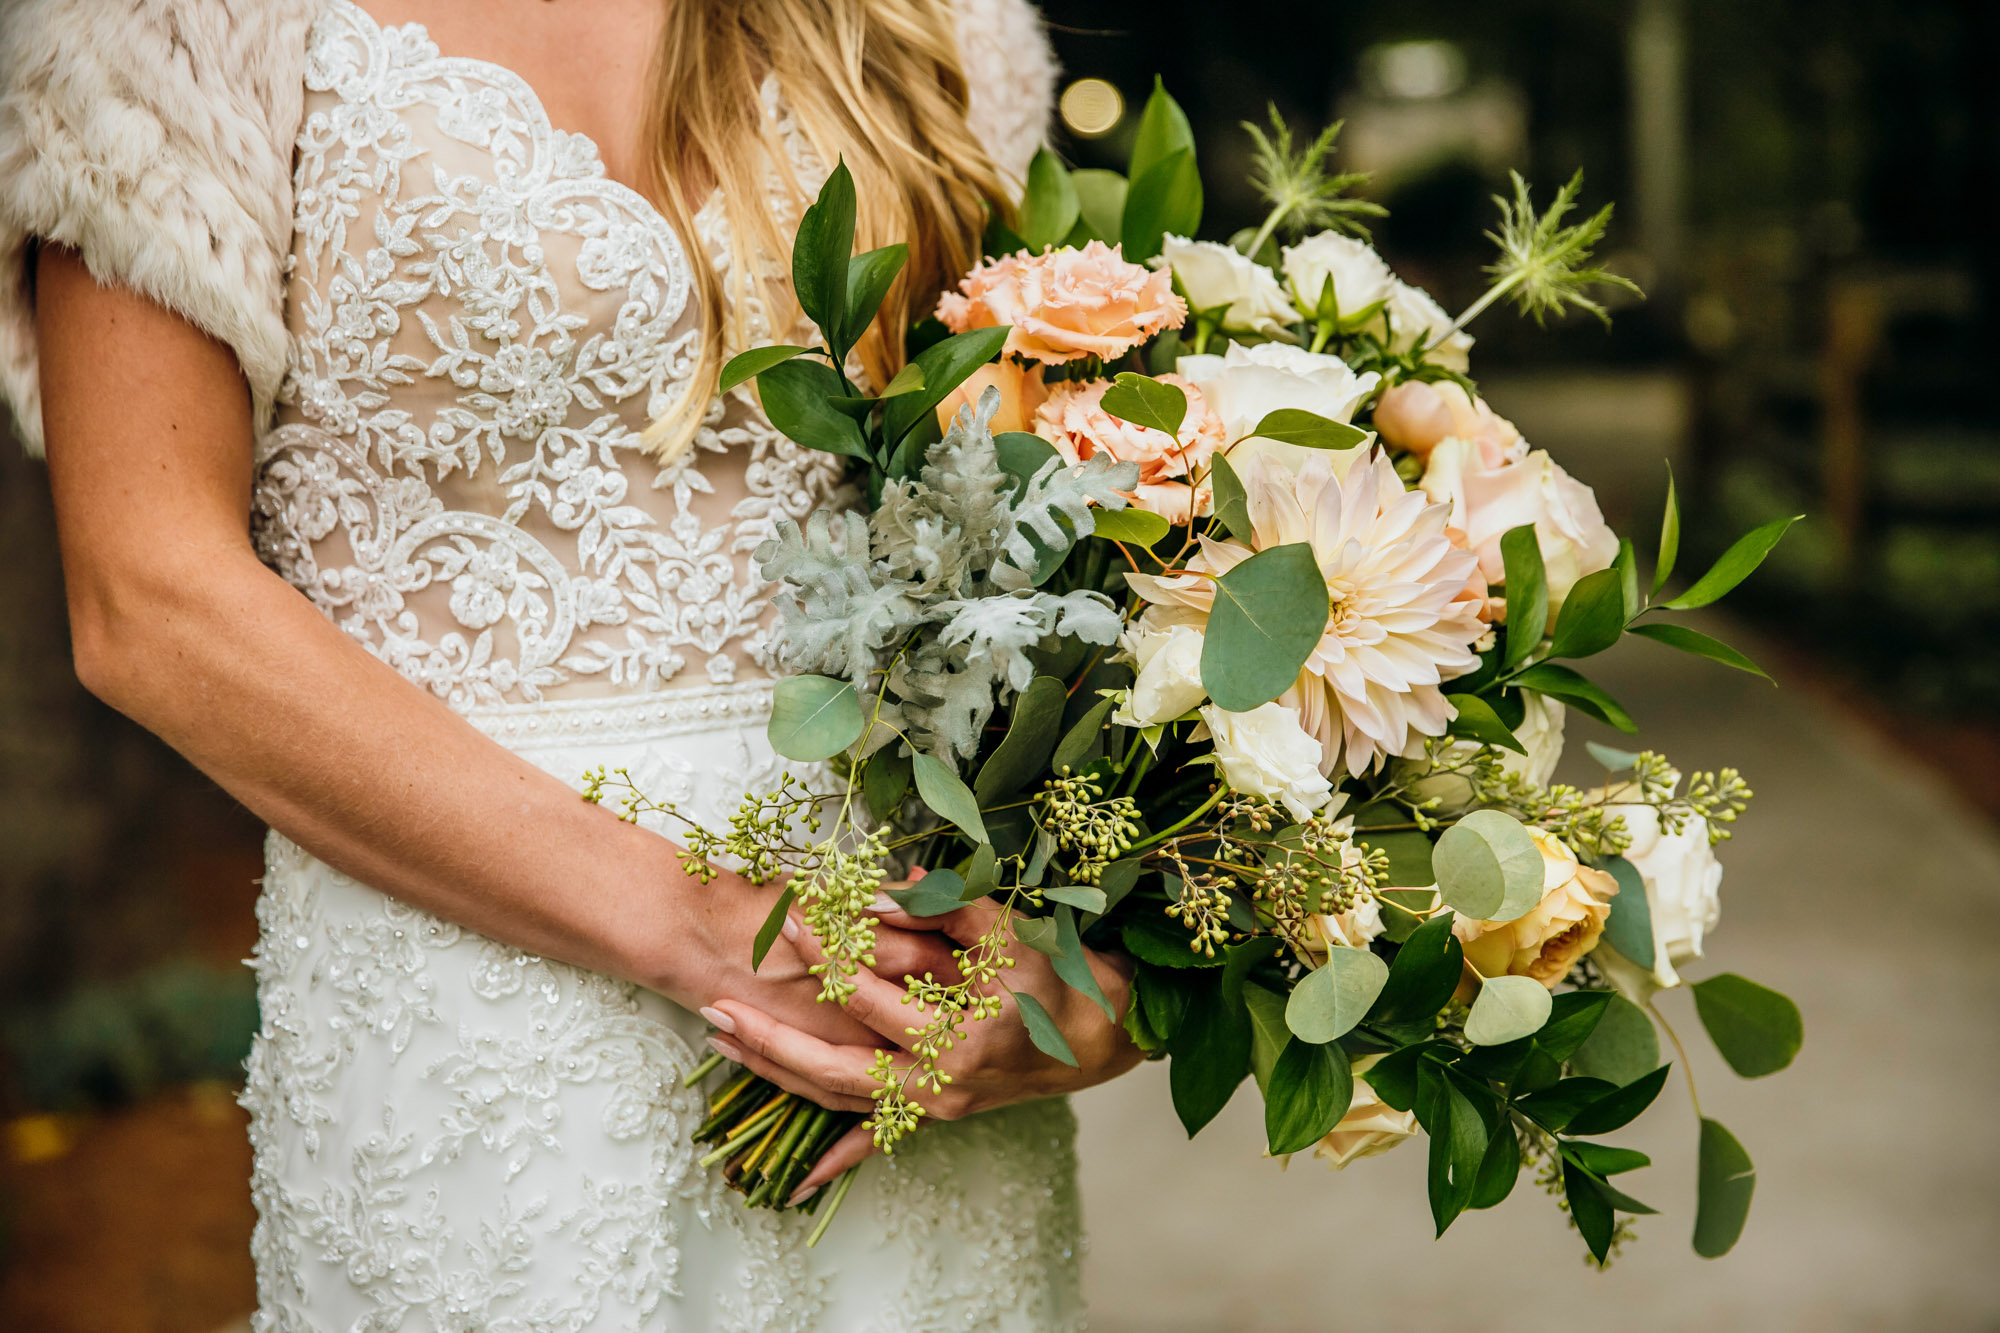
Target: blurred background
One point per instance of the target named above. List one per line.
(1808, 193)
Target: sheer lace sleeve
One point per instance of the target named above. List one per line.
(1012, 75)
(155, 137)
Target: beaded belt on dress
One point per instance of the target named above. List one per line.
(627, 716)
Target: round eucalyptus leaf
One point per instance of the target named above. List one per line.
(1622, 1047)
(1488, 867)
(814, 718)
(1508, 1008)
(1332, 998)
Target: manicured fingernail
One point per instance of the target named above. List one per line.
(883, 903)
(719, 1019)
(917, 873)
(728, 1050)
(800, 1196)
(790, 929)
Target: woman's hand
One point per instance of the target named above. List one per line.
(995, 1064)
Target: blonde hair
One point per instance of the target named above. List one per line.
(874, 83)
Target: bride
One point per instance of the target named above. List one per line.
(375, 348)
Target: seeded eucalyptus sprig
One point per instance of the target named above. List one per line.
(1544, 266)
(1304, 196)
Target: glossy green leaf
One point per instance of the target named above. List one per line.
(1726, 1180)
(1309, 1090)
(1100, 196)
(1270, 612)
(1553, 1107)
(1073, 751)
(947, 795)
(1527, 590)
(1051, 207)
(748, 365)
(937, 893)
(1116, 880)
(1268, 1034)
(1457, 1148)
(885, 782)
(1137, 527)
(1232, 508)
(1163, 131)
(1308, 430)
(1023, 753)
(1736, 564)
(1592, 616)
(821, 249)
(1022, 455)
(1589, 1208)
(1615, 1110)
(1477, 721)
(1670, 537)
(1758, 1030)
(1627, 565)
(1559, 682)
(1701, 645)
(1488, 867)
(774, 921)
(982, 873)
(1163, 943)
(798, 397)
(1332, 998)
(1211, 1056)
(1042, 1029)
(814, 717)
(1499, 1169)
(1507, 1009)
(945, 366)
(1148, 402)
(1165, 198)
(1601, 1159)
(907, 380)
(1425, 972)
(869, 277)
(1072, 962)
(1622, 1047)
(1573, 1016)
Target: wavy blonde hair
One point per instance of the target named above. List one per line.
(874, 83)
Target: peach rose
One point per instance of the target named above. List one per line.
(1075, 422)
(1370, 1127)
(1419, 416)
(1064, 304)
(1562, 928)
(1021, 392)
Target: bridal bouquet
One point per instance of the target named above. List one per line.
(1201, 609)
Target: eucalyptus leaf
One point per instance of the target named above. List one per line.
(1073, 751)
(1488, 867)
(1701, 645)
(1618, 761)
(947, 795)
(1736, 564)
(1629, 927)
(885, 781)
(1139, 527)
(937, 893)
(1039, 933)
(1621, 1048)
(1725, 1183)
(1527, 589)
(1506, 1009)
(1148, 402)
(1042, 1029)
(1072, 962)
(1232, 508)
(1309, 430)
(748, 365)
(982, 873)
(774, 921)
(1270, 612)
(1080, 896)
(1031, 737)
(1333, 998)
(814, 717)
(1268, 1034)
(1309, 1090)
(1758, 1030)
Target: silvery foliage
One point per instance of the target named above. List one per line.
(935, 589)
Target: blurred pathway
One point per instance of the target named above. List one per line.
(1857, 885)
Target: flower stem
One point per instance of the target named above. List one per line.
(840, 1189)
(1214, 799)
(1264, 232)
(1478, 308)
(702, 1071)
(1687, 1070)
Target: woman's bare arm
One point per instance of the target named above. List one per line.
(176, 624)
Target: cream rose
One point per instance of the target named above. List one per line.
(1415, 320)
(1169, 678)
(1486, 503)
(1419, 416)
(1265, 752)
(1562, 928)
(1683, 892)
(1540, 733)
(1245, 384)
(1358, 275)
(1021, 392)
(1073, 419)
(1065, 304)
(1371, 1126)
(1353, 929)
(1213, 275)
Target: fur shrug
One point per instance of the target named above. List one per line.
(155, 137)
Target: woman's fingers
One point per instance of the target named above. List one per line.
(882, 1005)
(840, 1070)
(963, 927)
(790, 1081)
(856, 1145)
(902, 952)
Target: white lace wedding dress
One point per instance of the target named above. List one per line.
(451, 1134)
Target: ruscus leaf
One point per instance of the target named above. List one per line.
(1701, 645)
(748, 365)
(1310, 1089)
(1736, 564)
(1527, 589)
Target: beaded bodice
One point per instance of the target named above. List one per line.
(482, 324)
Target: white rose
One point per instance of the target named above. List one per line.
(1540, 733)
(1245, 384)
(1415, 320)
(1265, 752)
(1214, 275)
(1169, 680)
(1352, 929)
(1683, 892)
(1358, 275)
(1370, 1127)
(1486, 503)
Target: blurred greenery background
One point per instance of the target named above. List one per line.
(1807, 191)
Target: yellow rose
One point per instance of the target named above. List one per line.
(1562, 928)
(1370, 1127)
